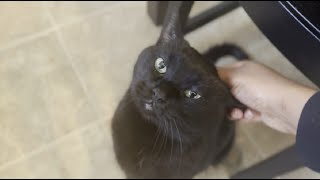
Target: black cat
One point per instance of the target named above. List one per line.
(172, 121)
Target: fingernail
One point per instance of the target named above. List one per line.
(248, 114)
(236, 114)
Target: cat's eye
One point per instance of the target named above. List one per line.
(192, 94)
(160, 66)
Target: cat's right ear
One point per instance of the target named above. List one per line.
(172, 29)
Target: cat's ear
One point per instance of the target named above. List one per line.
(172, 29)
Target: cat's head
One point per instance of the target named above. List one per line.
(176, 88)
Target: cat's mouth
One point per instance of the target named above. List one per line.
(148, 105)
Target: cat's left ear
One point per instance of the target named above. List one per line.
(172, 29)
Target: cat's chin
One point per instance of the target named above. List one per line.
(148, 105)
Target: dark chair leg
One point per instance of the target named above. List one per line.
(184, 13)
(157, 11)
(277, 165)
(210, 15)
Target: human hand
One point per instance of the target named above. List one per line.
(271, 98)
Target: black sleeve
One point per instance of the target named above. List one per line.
(308, 134)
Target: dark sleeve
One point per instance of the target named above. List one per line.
(308, 134)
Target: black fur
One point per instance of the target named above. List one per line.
(180, 136)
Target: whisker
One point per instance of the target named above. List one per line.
(180, 142)
(171, 142)
(166, 139)
(163, 139)
(156, 141)
(183, 124)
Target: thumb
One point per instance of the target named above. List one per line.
(224, 74)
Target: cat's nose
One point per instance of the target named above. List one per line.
(158, 95)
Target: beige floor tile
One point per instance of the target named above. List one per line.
(117, 29)
(104, 52)
(243, 154)
(21, 19)
(267, 140)
(106, 80)
(217, 172)
(41, 97)
(87, 154)
(9, 149)
(17, 171)
(64, 11)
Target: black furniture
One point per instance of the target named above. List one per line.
(294, 29)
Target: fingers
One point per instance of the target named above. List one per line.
(247, 116)
(229, 75)
(251, 116)
(236, 114)
(224, 74)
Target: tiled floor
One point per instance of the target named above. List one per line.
(65, 65)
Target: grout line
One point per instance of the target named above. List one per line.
(79, 130)
(56, 29)
(51, 145)
(261, 154)
(42, 33)
(85, 17)
(71, 63)
(18, 42)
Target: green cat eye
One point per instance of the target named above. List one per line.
(160, 66)
(192, 94)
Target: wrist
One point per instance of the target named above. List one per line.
(296, 101)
